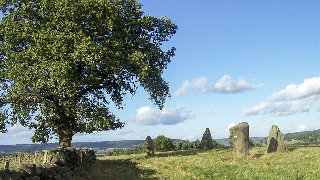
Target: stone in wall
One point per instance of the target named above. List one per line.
(59, 164)
(206, 142)
(150, 147)
(240, 139)
(275, 141)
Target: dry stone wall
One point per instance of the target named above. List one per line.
(25, 158)
(51, 164)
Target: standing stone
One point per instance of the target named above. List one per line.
(239, 135)
(150, 147)
(206, 142)
(275, 141)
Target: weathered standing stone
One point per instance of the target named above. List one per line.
(150, 147)
(275, 141)
(239, 135)
(206, 142)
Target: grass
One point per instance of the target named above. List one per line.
(300, 163)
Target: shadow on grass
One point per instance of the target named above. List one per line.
(116, 170)
(184, 152)
(291, 147)
(176, 153)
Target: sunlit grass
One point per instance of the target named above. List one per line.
(301, 163)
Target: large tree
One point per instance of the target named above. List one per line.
(63, 62)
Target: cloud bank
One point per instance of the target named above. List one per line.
(212, 112)
(228, 85)
(17, 134)
(148, 116)
(225, 85)
(293, 99)
(301, 128)
(230, 126)
(308, 88)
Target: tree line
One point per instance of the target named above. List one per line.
(163, 144)
(305, 138)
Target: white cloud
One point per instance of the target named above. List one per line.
(291, 100)
(228, 85)
(17, 134)
(148, 116)
(230, 126)
(199, 83)
(134, 136)
(284, 108)
(126, 132)
(255, 110)
(308, 88)
(224, 85)
(211, 112)
(191, 137)
(184, 89)
(301, 128)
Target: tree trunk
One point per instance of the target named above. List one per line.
(65, 139)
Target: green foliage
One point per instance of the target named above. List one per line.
(186, 145)
(178, 145)
(139, 149)
(251, 143)
(162, 143)
(304, 138)
(217, 145)
(63, 62)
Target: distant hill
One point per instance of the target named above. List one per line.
(304, 138)
(11, 149)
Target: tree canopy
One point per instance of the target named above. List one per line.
(63, 62)
(162, 143)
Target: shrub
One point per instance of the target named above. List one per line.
(251, 143)
(186, 145)
(178, 145)
(162, 143)
(196, 143)
(217, 145)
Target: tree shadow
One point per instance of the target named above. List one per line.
(185, 152)
(121, 169)
(175, 153)
(257, 155)
(291, 147)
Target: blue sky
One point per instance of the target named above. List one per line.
(236, 61)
